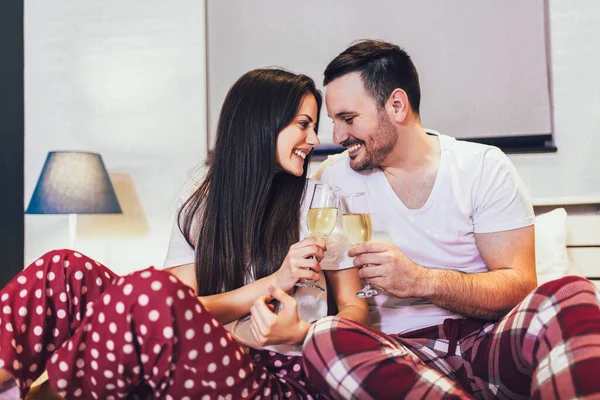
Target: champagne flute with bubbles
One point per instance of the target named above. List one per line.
(322, 218)
(356, 219)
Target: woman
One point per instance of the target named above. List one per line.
(147, 332)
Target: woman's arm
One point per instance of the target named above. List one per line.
(229, 306)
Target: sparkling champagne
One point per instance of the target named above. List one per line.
(321, 221)
(357, 227)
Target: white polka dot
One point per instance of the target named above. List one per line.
(296, 367)
(112, 327)
(106, 299)
(192, 355)
(146, 274)
(56, 258)
(156, 285)
(212, 367)
(238, 355)
(110, 345)
(144, 358)
(215, 323)
(245, 393)
(6, 310)
(96, 337)
(38, 330)
(168, 332)
(38, 347)
(127, 349)
(101, 317)
(181, 294)
(198, 309)
(61, 314)
(127, 289)
(77, 392)
(63, 297)
(64, 367)
(66, 264)
(229, 381)
(208, 347)
(23, 293)
(169, 301)
(78, 275)
(22, 279)
(143, 300)
(51, 276)
(189, 334)
(9, 327)
(32, 367)
(76, 254)
(80, 363)
(82, 346)
(108, 374)
(95, 353)
(22, 311)
(111, 357)
(226, 360)
(157, 348)
(99, 281)
(128, 337)
(120, 307)
(189, 384)
(153, 315)
(39, 262)
(223, 342)
(189, 315)
(242, 374)
(94, 365)
(107, 275)
(143, 329)
(206, 328)
(61, 383)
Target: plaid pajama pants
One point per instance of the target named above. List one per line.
(143, 335)
(547, 347)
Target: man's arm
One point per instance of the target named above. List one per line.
(510, 259)
(508, 255)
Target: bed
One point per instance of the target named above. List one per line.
(567, 243)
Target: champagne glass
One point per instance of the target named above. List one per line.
(322, 218)
(357, 225)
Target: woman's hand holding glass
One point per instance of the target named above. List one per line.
(301, 262)
(322, 218)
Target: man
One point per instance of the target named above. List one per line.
(457, 312)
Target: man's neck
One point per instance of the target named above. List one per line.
(413, 150)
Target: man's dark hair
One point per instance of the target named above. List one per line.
(383, 67)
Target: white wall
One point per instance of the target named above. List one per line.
(126, 80)
(575, 169)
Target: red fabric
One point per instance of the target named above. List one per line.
(104, 336)
(546, 347)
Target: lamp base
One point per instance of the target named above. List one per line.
(72, 230)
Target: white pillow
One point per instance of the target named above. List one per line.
(552, 260)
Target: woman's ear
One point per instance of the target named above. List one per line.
(398, 105)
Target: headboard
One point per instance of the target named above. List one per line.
(583, 232)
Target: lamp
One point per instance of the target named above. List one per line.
(73, 182)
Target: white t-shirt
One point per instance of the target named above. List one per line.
(312, 304)
(476, 190)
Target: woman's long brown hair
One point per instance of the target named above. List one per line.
(245, 214)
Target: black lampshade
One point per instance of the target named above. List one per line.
(74, 183)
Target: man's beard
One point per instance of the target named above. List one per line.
(382, 142)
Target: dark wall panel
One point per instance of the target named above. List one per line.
(11, 139)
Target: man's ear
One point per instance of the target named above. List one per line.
(398, 105)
